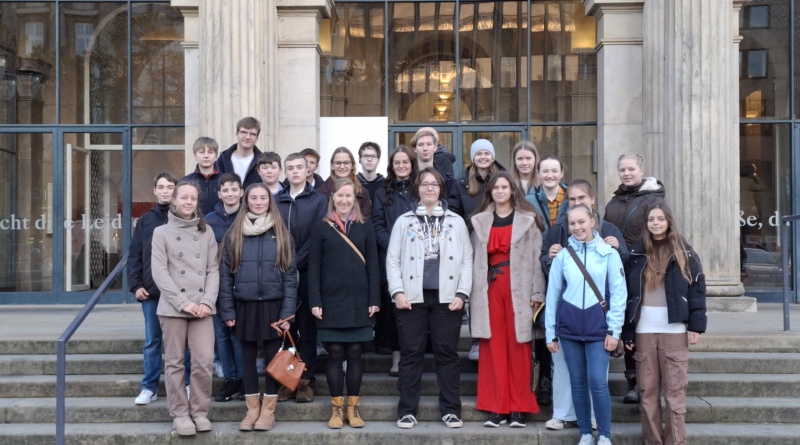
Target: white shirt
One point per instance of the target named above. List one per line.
(241, 165)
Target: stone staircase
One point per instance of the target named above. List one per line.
(742, 390)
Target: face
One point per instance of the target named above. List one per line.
(343, 200)
(483, 159)
(341, 165)
(550, 173)
(577, 196)
(425, 148)
(258, 201)
(630, 172)
(163, 190)
(501, 192)
(525, 162)
(185, 201)
(657, 224)
(312, 166)
(581, 224)
(369, 159)
(270, 173)
(401, 164)
(246, 138)
(230, 193)
(205, 157)
(296, 171)
(429, 190)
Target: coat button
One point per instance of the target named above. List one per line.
(412, 258)
(180, 253)
(451, 257)
(195, 238)
(201, 290)
(200, 273)
(183, 272)
(411, 277)
(179, 238)
(198, 255)
(451, 277)
(183, 290)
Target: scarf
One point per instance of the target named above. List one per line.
(256, 225)
(343, 225)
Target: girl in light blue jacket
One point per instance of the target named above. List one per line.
(576, 321)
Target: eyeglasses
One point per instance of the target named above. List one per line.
(342, 163)
(429, 185)
(248, 133)
(369, 157)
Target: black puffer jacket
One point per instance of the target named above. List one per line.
(384, 215)
(300, 214)
(257, 278)
(686, 302)
(461, 202)
(443, 163)
(627, 208)
(139, 272)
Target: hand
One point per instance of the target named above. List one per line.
(611, 343)
(535, 305)
(553, 347)
(630, 346)
(612, 241)
(203, 311)
(401, 302)
(191, 309)
(694, 338)
(142, 294)
(374, 310)
(554, 249)
(230, 323)
(317, 312)
(283, 326)
(456, 305)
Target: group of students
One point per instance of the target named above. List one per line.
(360, 257)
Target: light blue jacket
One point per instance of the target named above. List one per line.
(579, 316)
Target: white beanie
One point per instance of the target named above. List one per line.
(480, 144)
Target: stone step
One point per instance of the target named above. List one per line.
(707, 362)
(125, 385)
(378, 408)
(473, 433)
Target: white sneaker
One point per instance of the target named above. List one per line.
(145, 397)
(452, 421)
(603, 440)
(406, 422)
(586, 439)
(218, 370)
(556, 424)
(474, 352)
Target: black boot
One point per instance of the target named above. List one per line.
(545, 394)
(632, 396)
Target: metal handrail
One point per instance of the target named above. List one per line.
(785, 265)
(61, 347)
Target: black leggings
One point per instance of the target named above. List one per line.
(249, 372)
(337, 353)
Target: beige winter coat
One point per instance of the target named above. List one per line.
(185, 268)
(527, 279)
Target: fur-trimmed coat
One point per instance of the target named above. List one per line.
(527, 279)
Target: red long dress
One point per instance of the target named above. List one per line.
(504, 368)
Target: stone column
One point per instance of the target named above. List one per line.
(619, 86)
(190, 9)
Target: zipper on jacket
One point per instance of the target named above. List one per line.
(583, 305)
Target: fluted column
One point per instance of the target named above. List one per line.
(190, 9)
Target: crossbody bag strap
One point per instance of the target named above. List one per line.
(588, 278)
(627, 218)
(344, 237)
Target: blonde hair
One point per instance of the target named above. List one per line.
(529, 146)
(337, 185)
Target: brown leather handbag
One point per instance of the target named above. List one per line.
(286, 367)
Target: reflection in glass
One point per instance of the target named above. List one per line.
(764, 68)
(151, 155)
(573, 145)
(503, 143)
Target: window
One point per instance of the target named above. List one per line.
(754, 17)
(83, 37)
(34, 37)
(753, 64)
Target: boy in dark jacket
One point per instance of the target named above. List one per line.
(241, 157)
(312, 158)
(206, 175)
(140, 279)
(369, 155)
(300, 206)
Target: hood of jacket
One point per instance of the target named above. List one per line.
(219, 210)
(648, 185)
(596, 244)
(442, 151)
(364, 180)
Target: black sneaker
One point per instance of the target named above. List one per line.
(495, 420)
(545, 394)
(406, 422)
(517, 420)
(230, 390)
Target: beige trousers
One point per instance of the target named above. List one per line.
(198, 335)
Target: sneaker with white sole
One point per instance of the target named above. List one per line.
(495, 420)
(218, 370)
(603, 440)
(586, 439)
(474, 352)
(452, 421)
(407, 422)
(145, 397)
(558, 424)
(516, 420)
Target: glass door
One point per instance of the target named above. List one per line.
(76, 232)
(502, 138)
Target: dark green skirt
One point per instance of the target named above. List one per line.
(346, 335)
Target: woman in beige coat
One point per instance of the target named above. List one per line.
(507, 284)
(184, 263)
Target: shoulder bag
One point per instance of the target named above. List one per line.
(286, 367)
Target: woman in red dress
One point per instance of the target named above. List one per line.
(507, 286)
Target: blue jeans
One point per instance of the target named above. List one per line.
(153, 362)
(230, 351)
(588, 371)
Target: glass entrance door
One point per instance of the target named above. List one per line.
(502, 139)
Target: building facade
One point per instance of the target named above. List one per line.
(96, 97)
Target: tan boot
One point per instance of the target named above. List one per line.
(266, 421)
(305, 393)
(353, 416)
(253, 407)
(337, 414)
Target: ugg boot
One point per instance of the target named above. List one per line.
(632, 396)
(337, 413)
(266, 421)
(353, 417)
(395, 369)
(304, 393)
(253, 402)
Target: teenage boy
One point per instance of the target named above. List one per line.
(206, 174)
(300, 206)
(269, 169)
(230, 351)
(240, 158)
(140, 279)
(430, 153)
(312, 158)
(369, 154)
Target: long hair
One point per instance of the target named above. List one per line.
(391, 177)
(234, 239)
(337, 185)
(658, 258)
(473, 183)
(201, 224)
(352, 176)
(527, 146)
(518, 201)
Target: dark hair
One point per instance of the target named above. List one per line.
(201, 224)
(310, 152)
(249, 122)
(550, 158)
(657, 259)
(518, 201)
(268, 157)
(436, 175)
(371, 145)
(165, 174)
(391, 177)
(230, 177)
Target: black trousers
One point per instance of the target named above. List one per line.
(306, 329)
(250, 375)
(445, 328)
